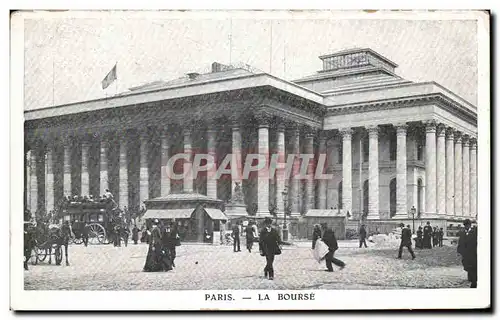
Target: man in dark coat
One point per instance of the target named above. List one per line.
(467, 248)
(427, 236)
(362, 236)
(236, 237)
(418, 241)
(269, 246)
(329, 239)
(435, 237)
(135, 234)
(405, 241)
(249, 236)
(170, 241)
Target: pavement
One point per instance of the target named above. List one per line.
(209, 267)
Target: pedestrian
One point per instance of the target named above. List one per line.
(135, 234)
(362, 236)
(427, 236)
(435, 237)
(269, 246)
(236, 237)
(118, 240)
(249, 236)
(85, 234)
(405, 241)
(419, 239)
(467, 248)
(441, 236)
(153, 258)
(328, 237)
(316, 235)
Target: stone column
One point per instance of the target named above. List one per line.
(263, 174)
(164, 178)
(309, 182)
(123, 173)
(441, 171)
(322, 183)
(144, 168)
(295, 183)
(103, 166)
(473, 178)
(466, 176)
(450, 173)
(212, 151)
(346, 170)
(458, 173)
(49, 180)
(85, 177)
(67, 168)
(187, 168)
(373, 174)
(401, 185)
(280, 170)
(430, 168)
(34, 162)
(236, 161)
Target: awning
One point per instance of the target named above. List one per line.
(216, 214)
(168, 213)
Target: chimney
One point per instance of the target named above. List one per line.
(193, 75)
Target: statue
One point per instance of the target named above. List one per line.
(237, 194)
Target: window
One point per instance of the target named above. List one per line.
(340, 155)
(420, 151)
(392, 197)
(340, 196)
(366, 149)
(393, 146)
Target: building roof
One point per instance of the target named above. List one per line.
(358, 50)
(215, 214)
(168, 213)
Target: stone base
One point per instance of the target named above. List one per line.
(263, 214)
(236, 210)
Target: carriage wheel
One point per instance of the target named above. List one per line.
(97, 234)
(41, 254)
(58, 254)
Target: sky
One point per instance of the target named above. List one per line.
(66, 59)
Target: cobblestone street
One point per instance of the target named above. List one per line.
(104, 267)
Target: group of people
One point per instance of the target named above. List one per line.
(162, 239)
(250, 232)
(427, 238)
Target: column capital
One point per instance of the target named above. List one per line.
(430, 126)
(280, 125)
(465, 140)
(309, 132)
(450, 133)
(372, 130)
(346, 133)
(441, 130)
(473, 143)
(324, 135)
(401, 128)
(263, 119)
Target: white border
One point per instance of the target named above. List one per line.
(193, 300)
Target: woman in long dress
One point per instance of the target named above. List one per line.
(153, 259)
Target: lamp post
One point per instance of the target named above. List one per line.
(285, 212)
(413, 211)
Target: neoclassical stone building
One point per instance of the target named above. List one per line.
(391, 144)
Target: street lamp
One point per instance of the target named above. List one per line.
(285, 211)
(413, 211)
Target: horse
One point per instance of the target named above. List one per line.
(54, 235)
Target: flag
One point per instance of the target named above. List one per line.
(110, 77)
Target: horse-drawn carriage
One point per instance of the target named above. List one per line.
(42, 240)
(97, 220)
